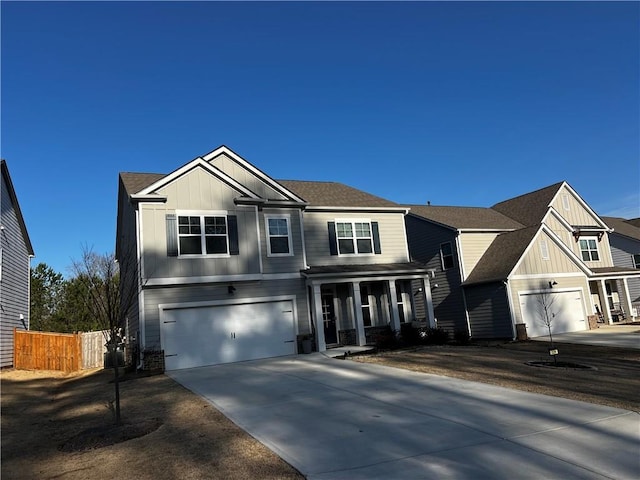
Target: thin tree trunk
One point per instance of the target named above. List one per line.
(116, 382)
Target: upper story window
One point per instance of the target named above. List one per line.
(278, 235)
(446, 255)
(354, 237)
(202, 235)
(636, 260)
(589, 249)
(191, 234)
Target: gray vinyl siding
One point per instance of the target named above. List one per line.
(424, 246)
(216, 292)
(14, 285)
(622, 249)
(392, 238)
(127, 255)
(282, 264)
(488, 307)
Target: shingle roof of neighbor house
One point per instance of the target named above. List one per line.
(502, 255)
(530, 208)
(334, 194)
(134, 182)
(466, 217)
(622, 227)
(634, 221)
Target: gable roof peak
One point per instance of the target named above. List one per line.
(530, 208)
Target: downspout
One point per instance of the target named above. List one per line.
(28, 323)
(511, 311)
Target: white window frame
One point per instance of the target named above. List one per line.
(635, 258)
(589, 250)
(544, 249)
(565, 202)
(354, 238)
(442, 256)
(203, 236)
(268, 235)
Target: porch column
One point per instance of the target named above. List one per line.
(428, 302)
(626, 299)
(393, 304)
(604, 302)
(318, 320)
(358, 321)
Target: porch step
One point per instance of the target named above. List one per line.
(348, 350)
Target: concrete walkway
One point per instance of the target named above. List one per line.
(339, 419)
(624, 336)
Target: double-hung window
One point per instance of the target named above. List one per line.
(446, 255)
(589, 249)
(278, 235)
(354, 238)
(203, 235)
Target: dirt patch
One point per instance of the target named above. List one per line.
(614, 380)
(61, 426)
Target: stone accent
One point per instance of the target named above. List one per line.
(372, 333)
(153, 360)
(593, 322)
(347, 337)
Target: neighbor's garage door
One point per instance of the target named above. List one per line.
(566, 312)
(193, 337)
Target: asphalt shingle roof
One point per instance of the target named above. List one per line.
(530, 208)
(334, 194)
(622, 227)
(135, 182)
(466, 217)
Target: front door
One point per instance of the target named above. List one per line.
(329, 319)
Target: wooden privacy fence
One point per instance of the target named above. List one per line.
(66, 352)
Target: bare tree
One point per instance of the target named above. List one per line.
(546, 313)
(111, 292)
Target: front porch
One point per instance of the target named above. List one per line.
(354, 304)
(610, 296)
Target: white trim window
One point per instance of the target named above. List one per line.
(354, 238)
(446, 255)
(565, 202)
(544, 249)
(636, 260)
(589, 249)
(203, 234)
(278, 228)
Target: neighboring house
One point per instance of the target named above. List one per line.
(15, 263)
(498, 267)
(234, 265)
(625, 250)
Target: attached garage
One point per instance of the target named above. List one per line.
(194, 336)
(566, 312)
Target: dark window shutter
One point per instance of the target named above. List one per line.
(376, 238)
(333, 244)
(172, 235)
(232, 225)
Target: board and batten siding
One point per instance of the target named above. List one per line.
(576, 214)
(474, 245)
(557, 260)
(489, 314)
(249, 291)
(392, 238)
(14, 281)
(622, 251)
(562, 284)
(424, 240)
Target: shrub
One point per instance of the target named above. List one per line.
(461, 337)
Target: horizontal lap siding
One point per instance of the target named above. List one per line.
(424, 244)
(14, 286)
(217, 292)
(474, 246)
(622, 250)
(282, 264)
(392, 238)
(488, 307)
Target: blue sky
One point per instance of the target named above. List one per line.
(453, 103)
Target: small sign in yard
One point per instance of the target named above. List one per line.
(553, 351)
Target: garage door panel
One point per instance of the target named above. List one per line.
(227, 333)
(565, 309)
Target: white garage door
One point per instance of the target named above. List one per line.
(193, 337)
(566, 312)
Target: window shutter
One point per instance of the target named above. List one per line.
(333, 244)
(376, 238)
(172, 235)
(232, 225)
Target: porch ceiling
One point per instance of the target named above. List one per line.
(409, 268)
(615, 271)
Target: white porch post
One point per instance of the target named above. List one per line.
(393, 303)
(604, 302)
(318, 320)
(357, 314)
(626, 299)
(428, 302)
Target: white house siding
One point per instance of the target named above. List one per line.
(474, 245)
(14, 285)
(282, 264)
(533, 263)
(488, 307)
(424, 244)
(245, 177)
(392, 238)
(565, 283)
(249, 291)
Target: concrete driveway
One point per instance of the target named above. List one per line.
(625, 336)
(338, 419)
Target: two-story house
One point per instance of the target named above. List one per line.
(15, 266)
(233, 265)
(541, 259)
